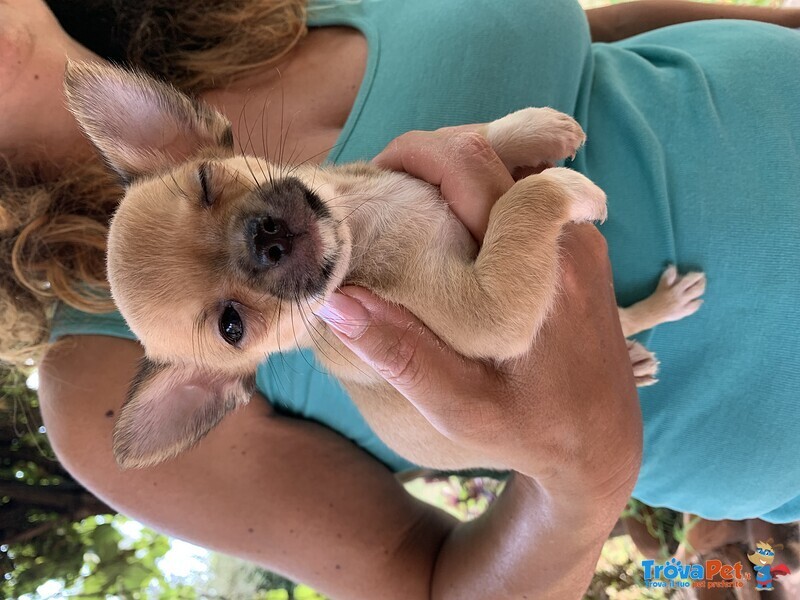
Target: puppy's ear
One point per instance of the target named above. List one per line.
(138, 124)
(172, 407)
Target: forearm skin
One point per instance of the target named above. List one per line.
(529, 545)
(621, 21)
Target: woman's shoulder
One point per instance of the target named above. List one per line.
(89, 353)
(79, 367)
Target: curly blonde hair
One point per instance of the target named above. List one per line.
(200, 44)
(53, 234)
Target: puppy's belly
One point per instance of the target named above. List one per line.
(401, 427)
(394, 419)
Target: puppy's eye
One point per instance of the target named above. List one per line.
(231, 327)
(203, 176)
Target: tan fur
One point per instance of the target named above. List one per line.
(171, 259)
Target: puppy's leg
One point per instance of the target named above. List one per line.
(644, 364)
(676, 297)
(534, 137)
(492, 308)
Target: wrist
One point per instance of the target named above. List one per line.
(591, 473)
(508, 552)
(789, 17)
(590, 517)
(589, 493)
(604, 23)
(579, 529)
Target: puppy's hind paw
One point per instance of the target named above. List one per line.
(535, 136)
(678, 296)
(587, 202)
(644, 363)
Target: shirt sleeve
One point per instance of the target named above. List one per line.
(69, 321)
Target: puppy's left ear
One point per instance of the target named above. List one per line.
(141, 125)
(172, 407)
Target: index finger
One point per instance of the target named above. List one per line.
(437, 380)
(461, 161)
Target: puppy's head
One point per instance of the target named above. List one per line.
(215, 260)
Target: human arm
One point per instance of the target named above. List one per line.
(294, 497)
(550, 415)
(620, 21)
(289, 495)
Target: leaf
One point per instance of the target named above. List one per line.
(93, 584)
(303, 592)
(186, 592)
(105, 540)
(136, 577)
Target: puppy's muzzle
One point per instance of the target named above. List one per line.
(270, 240)
(289, 239)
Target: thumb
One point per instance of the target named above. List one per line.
(400, 349)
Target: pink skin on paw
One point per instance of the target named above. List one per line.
(587, 201)
(644, 364)
(678, 296)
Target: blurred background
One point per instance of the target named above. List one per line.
(58, 541)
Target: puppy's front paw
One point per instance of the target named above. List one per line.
(587, 202)
(644, 363)
(532, 137)
(678, 296)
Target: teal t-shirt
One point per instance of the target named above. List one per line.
(694, 133)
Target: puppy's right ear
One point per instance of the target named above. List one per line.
(172, 407)
(141, 125)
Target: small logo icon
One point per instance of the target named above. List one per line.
(710, 574)
(762, 560)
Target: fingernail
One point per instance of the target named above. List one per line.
(345, 314)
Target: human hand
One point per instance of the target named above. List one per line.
(566, 414)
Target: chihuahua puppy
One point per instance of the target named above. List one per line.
(217, 260)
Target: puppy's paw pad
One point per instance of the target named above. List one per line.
(678, 296)
(587, 202)
(535, 136)
(644, 363)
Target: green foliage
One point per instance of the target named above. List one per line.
(25, 455)
(233, 579)
(269, 581)
(298, 592)
(663, 525)
(58, 556)
(619, 574)
(92, 558)
(463, 497)
(49, 530)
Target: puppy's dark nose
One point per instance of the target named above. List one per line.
(271, 240)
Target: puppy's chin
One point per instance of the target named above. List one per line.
(335, 266)
(305, 284)
(335, 246)
(338, 279)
